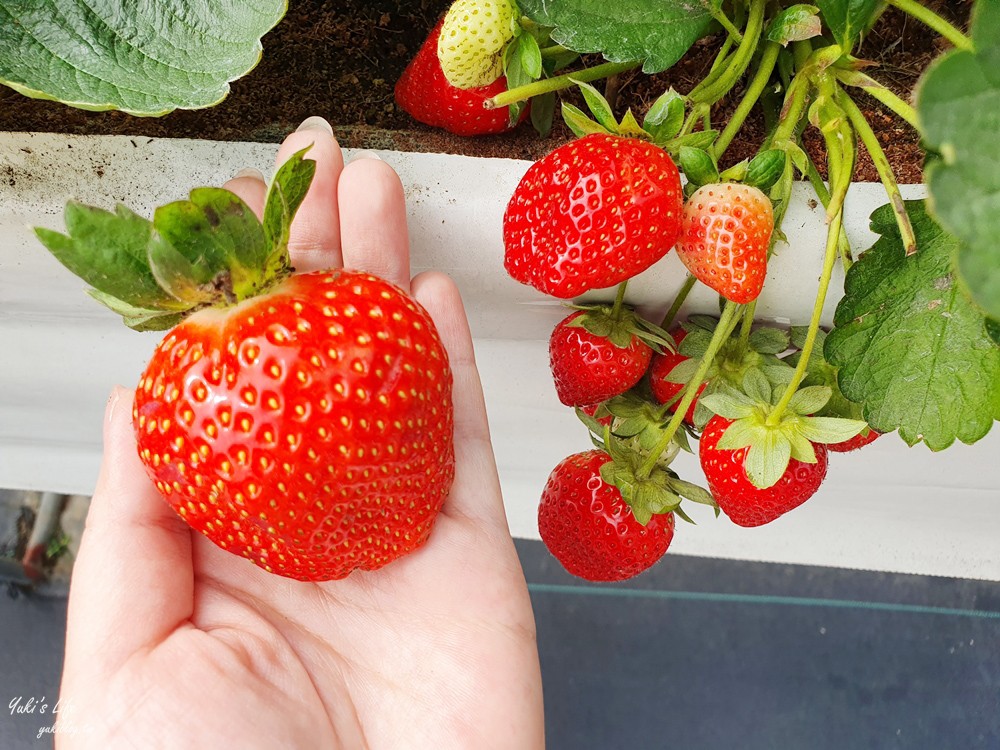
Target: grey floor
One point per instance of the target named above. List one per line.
(701, 654)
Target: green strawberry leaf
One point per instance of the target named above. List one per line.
(849, 19)
(692, 492)
(577, 121)
(656, 32)
(757, 387)
(767, 340)
(530, 55)
(795, 24)
(767, 460)
(141, 58)
(910, 346)
(665, 116)
(108, 251)
(542, 111)
(957, 102)
(993, 330)
(598, 106)
(288, 190)
(829, 429)
(730, 405)
(810, 399)
(765, 169)
(137, 318)
(698, 165)
(211, 243)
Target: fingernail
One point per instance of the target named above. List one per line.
(364, 153)
(116, 395)
(249, 172)
(315, 123)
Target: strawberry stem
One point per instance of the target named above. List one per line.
(738, 63)
(619, 300)
(675, 307)
(935, 22)
(557, 83)
(723, 330)
(840, 150)
(819, 187)
(882, 166)
(876, 90)
(754, 90)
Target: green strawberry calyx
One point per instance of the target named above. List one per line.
(210, 250)
(737, 357)
(773, 439)
(620, 325)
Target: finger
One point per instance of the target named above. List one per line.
(315, 237)
(373, 233)
(132, 581)
(476, 491)
(249, 186)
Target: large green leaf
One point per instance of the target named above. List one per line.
(657, 32)
(910, 345)
(958, 104)
(849, 19)
(142, 58)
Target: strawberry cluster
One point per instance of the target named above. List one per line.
(593, 214)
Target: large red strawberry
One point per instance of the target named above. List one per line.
(725, 237)
(659, 371)
(745, 504)
(591, 214)
(304, 422)
(425, 94)
(590, 366)
(589, 528)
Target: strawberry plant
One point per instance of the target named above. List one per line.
(914, 347)
(303, 421)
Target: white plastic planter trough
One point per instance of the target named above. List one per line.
(888, 507)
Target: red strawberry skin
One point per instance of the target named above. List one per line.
(425, 94)
(588, 369)
(589, 528)
(745, 504)
(855, 443)
(662, 364)
(724, 239)
(309, 430)
(591, 214)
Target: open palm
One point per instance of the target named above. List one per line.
(172, 642)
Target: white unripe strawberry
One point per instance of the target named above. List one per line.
(472, 40)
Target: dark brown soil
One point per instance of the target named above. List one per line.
(341, 58)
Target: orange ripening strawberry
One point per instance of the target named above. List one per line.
(659, 370)
(425, 94)
(592, 214)
(308, 429)
(590, 367)
(304, 422)
(744, 503)
(725, 237)
(589, 528)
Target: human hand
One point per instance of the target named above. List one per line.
(174, 643)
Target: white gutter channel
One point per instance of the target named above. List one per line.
(889, 507)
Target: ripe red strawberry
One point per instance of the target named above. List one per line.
(661, 367)
(858, 441)
(589, 528)
(308, 430)
(591, 411)
(745, 504)
(425, 94)
(589, 368)
(304, 422)
(725, 236)
(591, 214)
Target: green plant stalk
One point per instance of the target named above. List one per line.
(619, 299)
(882, 166)
(792, 110)
(723, 53)
(741, 58)
(754, 90)
(675, 307)
(747, 325)
(819, 187)
(557, 83)
(841, 160)
(724, 328)
(934, 21)
(879, 92)
(725, 23)
(554, 50)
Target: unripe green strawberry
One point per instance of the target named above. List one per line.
(472, 41)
